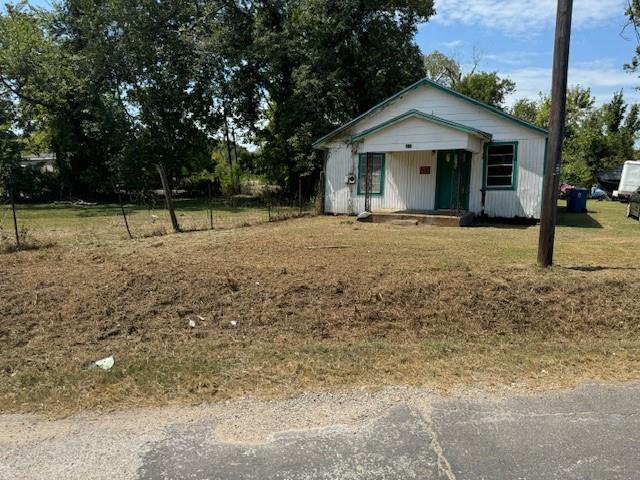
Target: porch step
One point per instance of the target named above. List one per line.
(443, 220)
(405, 223)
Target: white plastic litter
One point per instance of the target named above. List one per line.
(105, 363)
(192, 323)
(234, 323)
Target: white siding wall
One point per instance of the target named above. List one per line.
(339, 195)
(475, 184)
(417, 192)
(422, 135)
(403, 189)
(526, 201)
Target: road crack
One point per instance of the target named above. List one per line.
(444, 467)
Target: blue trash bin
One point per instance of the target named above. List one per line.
(577, 200)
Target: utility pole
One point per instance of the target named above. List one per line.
(556, 133)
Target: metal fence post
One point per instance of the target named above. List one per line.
(210, 205)
(300, 196)
(15, 218)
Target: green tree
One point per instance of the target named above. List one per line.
(487, 87)
(442, 69)
(9, 143)
(58, 76)
(600, 138)
(526, 109)
(324, 62)
(117, 86)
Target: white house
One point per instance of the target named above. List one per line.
(431, 149)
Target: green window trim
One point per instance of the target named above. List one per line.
(382, 172)
(485, 167)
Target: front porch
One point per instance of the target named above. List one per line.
(442, 218)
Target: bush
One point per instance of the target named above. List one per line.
(229, 176)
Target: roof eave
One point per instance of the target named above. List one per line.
(426, 117)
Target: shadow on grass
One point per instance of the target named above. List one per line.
(580, 220)
(597, 268)
(505, 223)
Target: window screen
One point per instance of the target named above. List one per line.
(376, 169)
(500, 165)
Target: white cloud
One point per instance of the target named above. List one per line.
(452, 44)
(603, 77)
(523, 16)
(512, 58)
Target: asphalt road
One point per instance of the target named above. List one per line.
(589, 433)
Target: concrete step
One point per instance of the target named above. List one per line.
(463, 220)
(405, 223)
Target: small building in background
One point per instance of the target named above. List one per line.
(44, 162)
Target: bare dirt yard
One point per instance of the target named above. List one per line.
(277, 313)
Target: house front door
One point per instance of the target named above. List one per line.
(453, 176)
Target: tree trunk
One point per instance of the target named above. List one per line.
(235, 145)
(167, 197)
(226, 138)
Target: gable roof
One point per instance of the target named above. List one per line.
(431, 83)
(426, 117)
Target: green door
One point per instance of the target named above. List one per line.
(453, 176)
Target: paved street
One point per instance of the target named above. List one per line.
(589, 433)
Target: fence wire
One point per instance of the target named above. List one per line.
(147, 216)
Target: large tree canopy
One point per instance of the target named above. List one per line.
(116, 86)
(325, 62)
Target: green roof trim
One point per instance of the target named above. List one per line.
(431, 83)
(422, 116)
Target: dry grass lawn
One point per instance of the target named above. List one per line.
(440, 307)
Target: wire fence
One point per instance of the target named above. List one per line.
(140, 216)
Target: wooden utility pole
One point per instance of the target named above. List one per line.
(167, 197)
(556, 133)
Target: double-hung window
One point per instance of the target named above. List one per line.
(501, 166)
(376, 173)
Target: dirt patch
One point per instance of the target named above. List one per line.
(216, 315)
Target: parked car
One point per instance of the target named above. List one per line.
(633, 209)
(564, 190)
(599, 194)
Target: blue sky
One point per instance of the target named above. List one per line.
(515, 38)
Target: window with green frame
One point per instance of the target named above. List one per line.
(377, 173)
(501, 166)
